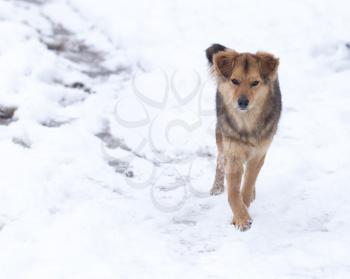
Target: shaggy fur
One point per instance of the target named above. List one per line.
(243, 134)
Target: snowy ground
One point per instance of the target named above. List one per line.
(107, 145)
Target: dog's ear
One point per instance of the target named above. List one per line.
(268, 64)
(210, 51)
(223, 62)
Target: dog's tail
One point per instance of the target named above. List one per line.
(210, 51)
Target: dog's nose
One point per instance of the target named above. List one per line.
(243, 102)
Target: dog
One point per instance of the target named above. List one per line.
(248, 108)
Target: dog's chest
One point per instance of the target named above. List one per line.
(246, 122)
(241, 128)
(242, 151)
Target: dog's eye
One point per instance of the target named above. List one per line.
(254, 83)
(235, 81)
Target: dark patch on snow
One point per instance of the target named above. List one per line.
(51, 123)
(113, 142)
(64, 102)
(103, 72)
(81, 86)
(205, 153)
(206, 250)
(121, 167)
(6, 115)
(36, 2)
(21, 142)
(65, 43)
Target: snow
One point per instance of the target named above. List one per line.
(109, 157)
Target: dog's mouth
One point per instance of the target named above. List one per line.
(242, 109)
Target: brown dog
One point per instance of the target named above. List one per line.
(248, 106)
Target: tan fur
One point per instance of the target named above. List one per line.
(243, 137)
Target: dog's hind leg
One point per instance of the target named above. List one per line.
(218, 186)
(251, 173)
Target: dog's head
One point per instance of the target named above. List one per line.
(244, 79)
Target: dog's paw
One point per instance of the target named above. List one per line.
(242, 223)
(216, 190)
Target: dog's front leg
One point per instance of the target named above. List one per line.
(234, 172)
(252, 171)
